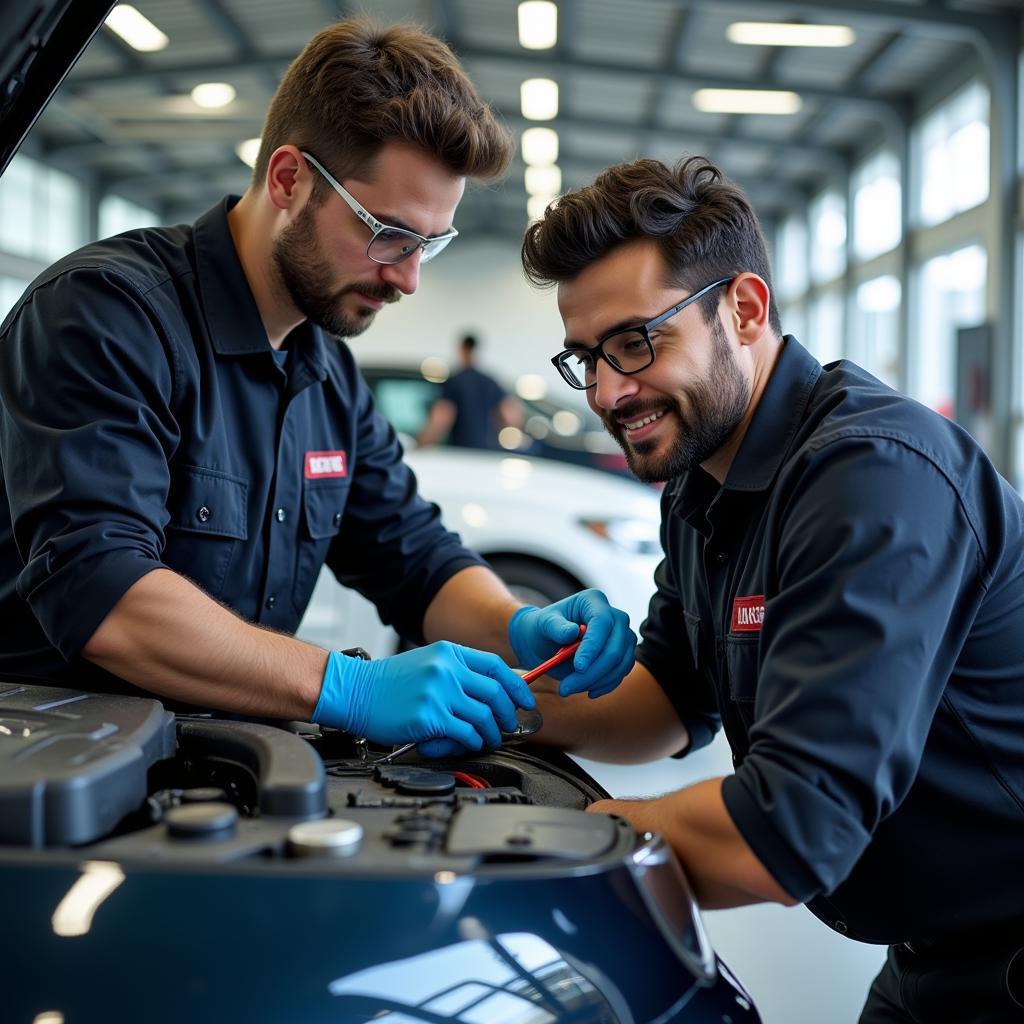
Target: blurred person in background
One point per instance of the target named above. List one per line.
(473, 407)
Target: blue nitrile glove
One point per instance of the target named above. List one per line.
(602, 659)
(441, 692)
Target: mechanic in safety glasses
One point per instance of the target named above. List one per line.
(185, 438)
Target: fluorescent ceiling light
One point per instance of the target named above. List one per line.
(247, 151)
(539, 146)
(135, 29)
(213, 94)
(544, 181)
(539, 99)
(538, 24)
(770, 33)
(746, 101)
(536, 205)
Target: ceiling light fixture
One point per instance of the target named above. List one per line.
(771, 33)
(539, 99)
(538, 24)
(539, 146)
(746, 101)
(247, 151)
(136, 29)
(536, 205)
(211, 95)
(544, 181)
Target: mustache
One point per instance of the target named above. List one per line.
(383, 292)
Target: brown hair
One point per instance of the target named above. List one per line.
(702, 222)
(358, 86)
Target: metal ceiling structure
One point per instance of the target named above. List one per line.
(627, 71)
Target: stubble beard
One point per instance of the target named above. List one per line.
(717, 403)
(305, 277)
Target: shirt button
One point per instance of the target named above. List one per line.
(280, 515)
(841, 927)
(721, 557)
(337, 519)
(203, 514)
(271, 601)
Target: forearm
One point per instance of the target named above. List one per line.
(473, 608)
(633, 724)
(166, 636)
(721, 867)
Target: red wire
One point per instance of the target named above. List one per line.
(473, 781)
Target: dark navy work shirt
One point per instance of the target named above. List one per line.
(850, 607)
(476, 398)
(145, 422)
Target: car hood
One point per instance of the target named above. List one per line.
(40, 41)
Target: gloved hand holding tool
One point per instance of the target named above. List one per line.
(604, 656)
(438, 692)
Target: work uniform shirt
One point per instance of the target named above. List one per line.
(850, 607)
(145, 422)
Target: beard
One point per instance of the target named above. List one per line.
(716, 401)
(305, 277)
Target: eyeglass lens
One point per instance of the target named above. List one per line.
(628, 352)
(392, 245)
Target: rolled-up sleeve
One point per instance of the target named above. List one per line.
(85, 455)
(393, 548)
(877, 578)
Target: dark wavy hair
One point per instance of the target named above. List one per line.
(703, 224)
(357, 86)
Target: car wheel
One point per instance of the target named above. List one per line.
(533, 582)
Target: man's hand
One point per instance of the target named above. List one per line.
(441, 692)
(604, 656)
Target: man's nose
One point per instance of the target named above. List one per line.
(404, 276)
(612, 387)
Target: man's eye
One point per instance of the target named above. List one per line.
(390, 235)
(580, 358)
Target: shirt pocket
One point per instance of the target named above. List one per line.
(323, 508)
(741, 666)
(207, 520)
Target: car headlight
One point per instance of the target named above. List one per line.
(636, 536)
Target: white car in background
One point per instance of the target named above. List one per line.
(548, 528)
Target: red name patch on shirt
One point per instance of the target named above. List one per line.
(748, 614)
(320, 465)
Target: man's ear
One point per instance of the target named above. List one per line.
(750, 300)
(289, 179)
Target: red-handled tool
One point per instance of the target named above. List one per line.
(563, 654)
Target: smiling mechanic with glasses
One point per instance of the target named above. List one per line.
(184, 444)
(842, 594)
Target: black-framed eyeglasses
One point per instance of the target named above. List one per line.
(628, 351)
(388, 244)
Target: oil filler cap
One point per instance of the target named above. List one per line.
(330, 837)
(202, 821)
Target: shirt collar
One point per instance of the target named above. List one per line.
(767, 441)
(232, 316)
(776, 419)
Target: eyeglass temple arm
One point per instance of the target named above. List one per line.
(360, 211)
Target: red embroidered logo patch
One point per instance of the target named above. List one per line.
(748, 614)
(320, 465)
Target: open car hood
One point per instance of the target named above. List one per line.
(40, 40)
